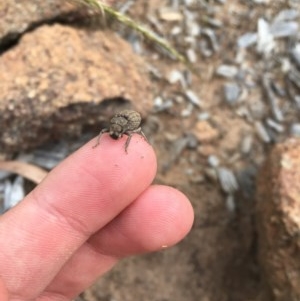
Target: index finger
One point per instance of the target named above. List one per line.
(80, 196)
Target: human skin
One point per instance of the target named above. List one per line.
(96, 207)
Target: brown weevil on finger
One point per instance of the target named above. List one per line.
(126, 122)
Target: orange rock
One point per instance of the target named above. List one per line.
(278, 220)
(56, 79)
(204, 132)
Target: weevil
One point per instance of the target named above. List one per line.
(125, 122)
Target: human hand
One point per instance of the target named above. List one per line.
(94, 208)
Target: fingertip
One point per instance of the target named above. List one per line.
(160, 217)
(3, 291)
(172, 215)
(107, 150)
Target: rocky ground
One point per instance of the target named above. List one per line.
(211, 125)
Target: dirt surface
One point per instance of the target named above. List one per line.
(218, 260)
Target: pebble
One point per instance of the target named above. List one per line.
(205, 49)
(214, 22)
(294, 76)
(280, 91)
(136, 44)
(232, 92)
(295, 129)
(124, 7)
(203, 116)
(257, 108)
(187, 111)
(176, 76)
(227, 71)
(4, 175)
(284, 29)
(154, 72)
(297, 101)
(275, 125)
(191, 55)
(176, 30)
(213, 161)
(262, 132)
(246, 145)
(170, 14)
(227, 180)
(204, 132)
(246, 40)
(244, 112)
(193, 98)
(160, 104)
(265, 40)
(230, 203)
(188, 2)
(295, 52)
(211, 174)
(261, 1)
(193, 28)
(13, 192)
(213, 39)
(277, 113)
(286, 15)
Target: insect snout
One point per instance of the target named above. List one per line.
(116, 131)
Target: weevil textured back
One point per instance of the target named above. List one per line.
(125, 122)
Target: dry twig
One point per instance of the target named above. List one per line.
(102, 8)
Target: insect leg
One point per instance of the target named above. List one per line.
(127, 141)
(129, 134)
(140, 132)
(99, 136)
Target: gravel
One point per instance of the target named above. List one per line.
(232, 92)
